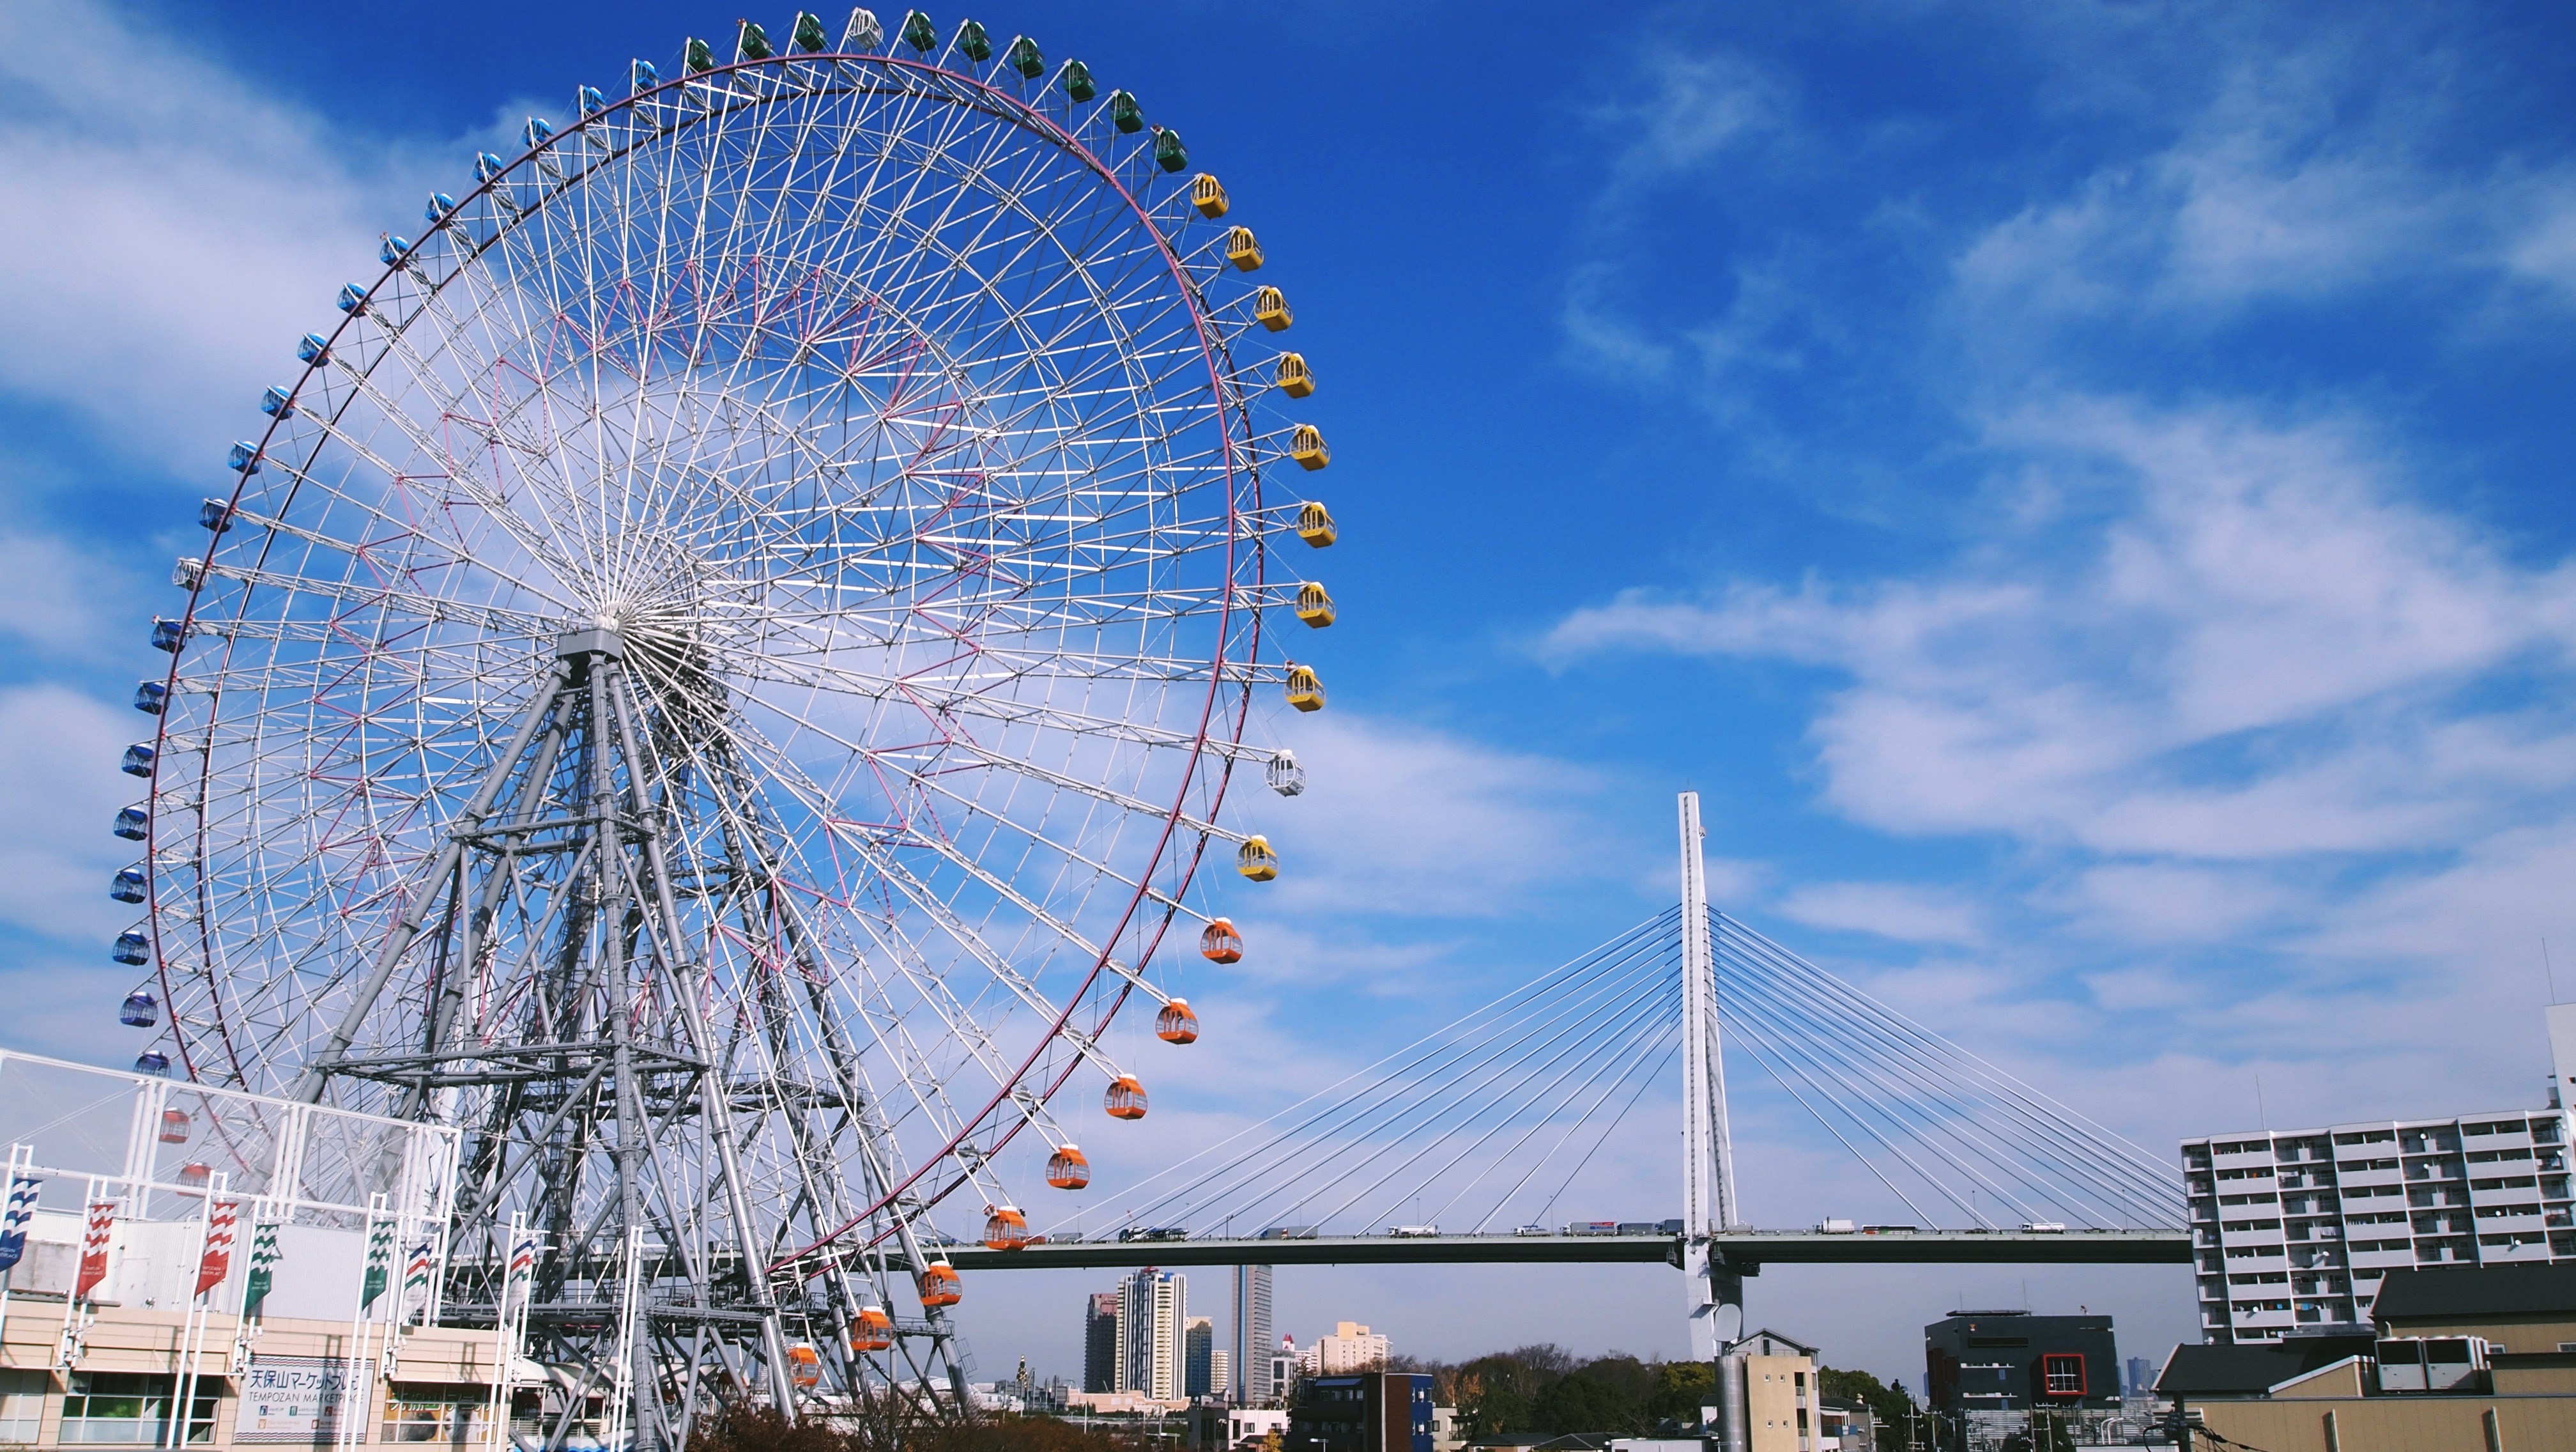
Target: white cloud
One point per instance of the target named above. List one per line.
(1403, 820)
(58, 776)
(51, 592)
(2252, 654)
(1895, 910)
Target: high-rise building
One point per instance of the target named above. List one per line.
(1153, 1313)
(2142, 1378)
(1220, 1373)
(1100, 1342)
(1252, 1340)
(1198, 1356)
(2294, 1229)
(1351, 1348)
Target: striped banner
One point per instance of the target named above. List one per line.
(13, 1224)
(380, 1261)
(263, 1267)
(94, 1239)
(523, 1271)
(217, 1262)
(418, 1271)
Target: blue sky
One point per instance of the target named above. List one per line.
(2080, 488)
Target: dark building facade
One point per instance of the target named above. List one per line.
(1378, 1411)
(1100, 1342)
(2013, 1361)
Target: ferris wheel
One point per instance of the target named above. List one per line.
(734, 657)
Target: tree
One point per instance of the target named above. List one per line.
(1607, 1396)
(1681, 1389)
(1889, 1404)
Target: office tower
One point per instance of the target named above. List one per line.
(1100, 1342)
(1153, 1310)
(1252, 1339)
(1198, 1354)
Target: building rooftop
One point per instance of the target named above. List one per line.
(2251, 1370)
(2416, 1294)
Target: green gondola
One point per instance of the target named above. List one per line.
(977, 45)
(697, 56)
(754, 44)
(918, 33)
(808, 33)
(1169, 154)
(1077, 81)
(1024, 58)
(1124, 113)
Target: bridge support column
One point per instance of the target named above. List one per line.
(1715, 1297)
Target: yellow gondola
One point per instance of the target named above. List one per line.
(940, 1286)
(1242, 249)
(1208, 195)
(1067, 1169)
(1294, 378)
(1221, 943)
(1176, 1024)
(1125, 1099)
(1314, 606)
(1255, 860)
(1305, 688)
(1315, 525)
(1306, 446)
(1270, 308)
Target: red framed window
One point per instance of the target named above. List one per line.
(2061, 1374)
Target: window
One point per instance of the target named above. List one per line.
(22, 1404)
(2061, 1373)
(134, 1408)
(454, 1415)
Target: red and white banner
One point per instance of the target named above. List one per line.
(218, 1260)
(93, 1261)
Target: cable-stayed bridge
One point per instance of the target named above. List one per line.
(1457, 1148)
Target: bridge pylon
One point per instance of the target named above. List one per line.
(1714, 1291)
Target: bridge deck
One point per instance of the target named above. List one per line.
(1743, 1248)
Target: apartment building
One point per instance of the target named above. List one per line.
(2294, 1229)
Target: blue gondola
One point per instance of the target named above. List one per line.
(214, 515)
(168, 635)
(277, 403)
(150, 697)
(644, 77)
(486, 166)
(537, 132)
(132, 949)
(440, 204)
(152, 1062)
(393, 249)
(141, 1010)
(592, 103)
(128, 887)
(133, 823)
(315, 349)
(352, 297)
(138, 759)
(244, 458)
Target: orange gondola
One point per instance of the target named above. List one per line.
(1067, 1169)
(193, 1179)
(872, 1331)
(1126, 1098)
(804, 1367)
(1005, 1228)
(940, 1286)
(1176, 1024)
(1221, 943)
